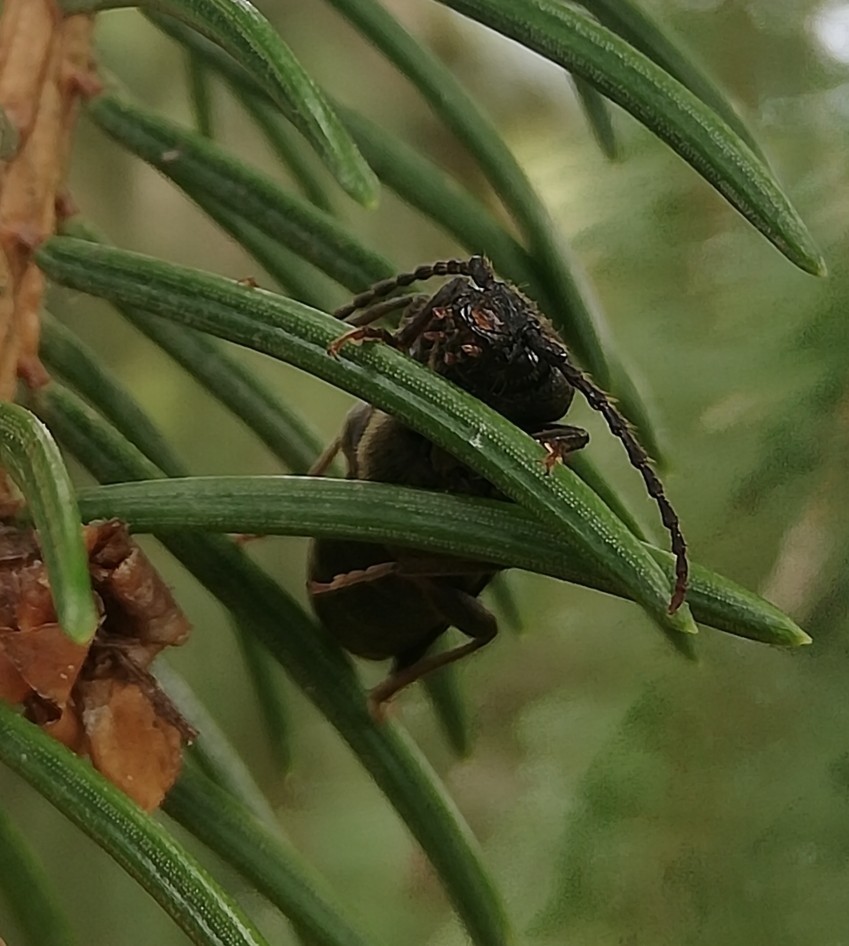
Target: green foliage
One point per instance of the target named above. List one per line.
(312, 662)
(30, 895)
(240, 30)
(692, 128)
(608, 758)
(493, 531)
(143, 848)
(32, 459)
(479, 436)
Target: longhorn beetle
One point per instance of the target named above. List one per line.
(488, 338)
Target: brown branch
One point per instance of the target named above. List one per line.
(45, 68)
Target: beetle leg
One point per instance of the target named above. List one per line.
(419, 316)
(439, 566)
(415, 318)
(362, 333)
(467, 614)
(356, 424)
(559, 441)
(347, 441)
(328, 455)
(355, 577)
(380, 309)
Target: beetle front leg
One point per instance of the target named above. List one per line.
(460, 609)
(365, 331)
(361, 334)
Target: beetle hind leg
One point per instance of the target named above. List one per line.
(462, 610)
(415, 568)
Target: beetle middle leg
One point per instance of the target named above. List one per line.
(380, 309)
(347, 442)
(460, 609)
(559, 441)
(327, 456)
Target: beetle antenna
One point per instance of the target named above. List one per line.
(620, 428)
(476, 268)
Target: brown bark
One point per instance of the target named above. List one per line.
(45, 67)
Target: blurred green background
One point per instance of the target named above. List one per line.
(622, 794)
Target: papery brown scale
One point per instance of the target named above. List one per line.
(97, 698)
(129, 743)
(35, 601)
(13, 688)
(68, 729)
(47, 659)
(11, 502)
(17, 545)
(139, 603)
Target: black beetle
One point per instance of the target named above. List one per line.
(489, 339)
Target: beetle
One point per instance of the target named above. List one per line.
(487, 337)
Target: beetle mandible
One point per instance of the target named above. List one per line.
(488, 338)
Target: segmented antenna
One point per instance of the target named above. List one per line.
(619, 427)
(446, 267)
